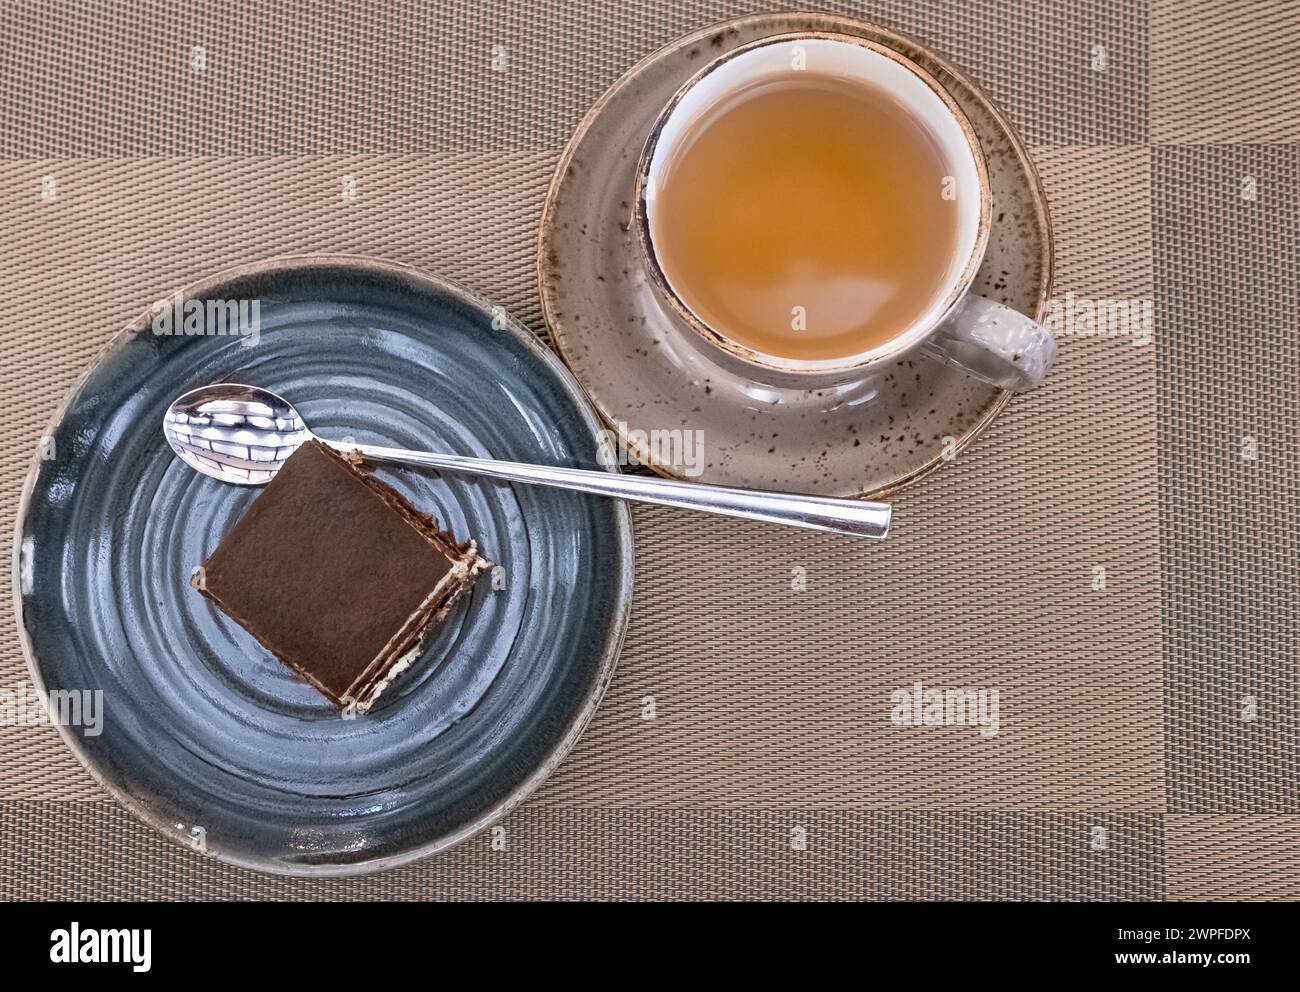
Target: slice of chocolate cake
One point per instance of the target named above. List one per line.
(337, 575)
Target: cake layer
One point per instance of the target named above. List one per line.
(338, 575)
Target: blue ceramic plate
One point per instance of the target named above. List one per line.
(205, 735)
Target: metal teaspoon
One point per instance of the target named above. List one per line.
(243, 434)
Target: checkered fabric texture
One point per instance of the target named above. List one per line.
(1116, 555)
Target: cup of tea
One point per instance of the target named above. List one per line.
(814, 207)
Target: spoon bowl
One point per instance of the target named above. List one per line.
(235, 433)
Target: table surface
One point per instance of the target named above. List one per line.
(1115, 555)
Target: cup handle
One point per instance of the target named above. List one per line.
(994, 343)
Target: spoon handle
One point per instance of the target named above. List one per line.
(857, 518)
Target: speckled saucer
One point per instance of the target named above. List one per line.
(643, 373)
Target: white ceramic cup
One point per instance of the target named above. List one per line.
(984, 338)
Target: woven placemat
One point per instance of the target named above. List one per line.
(1114, 557)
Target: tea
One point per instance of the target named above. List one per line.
(806, 217)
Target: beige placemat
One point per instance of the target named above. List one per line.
(1115, 557)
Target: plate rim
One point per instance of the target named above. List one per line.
(815, 20)
(609, 657)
